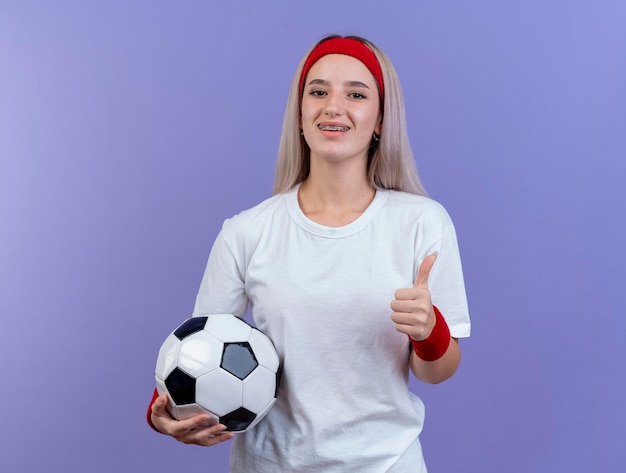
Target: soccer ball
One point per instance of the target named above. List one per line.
(221, 366)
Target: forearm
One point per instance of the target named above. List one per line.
(437, 371)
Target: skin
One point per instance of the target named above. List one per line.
(414, 316)
(339, 91)
(187, 431)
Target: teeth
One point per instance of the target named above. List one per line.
(333, 128)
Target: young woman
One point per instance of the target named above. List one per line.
(352, 272)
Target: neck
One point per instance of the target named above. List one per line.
(338, 182)
(335, 198)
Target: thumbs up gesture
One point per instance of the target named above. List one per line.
(412, 308)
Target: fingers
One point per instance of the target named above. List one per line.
(410, 314)
(195, 423)
(424, 271)
(205, 437)
(196, 430)
(416, 332)
(160, 416)
(417, 323)
(158, 408)
(412, 307)
(420, 287)
(409, 306)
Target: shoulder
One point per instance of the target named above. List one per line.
(259, 211)
(416, 208)
(255, 220)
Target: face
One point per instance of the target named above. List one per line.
(340, 109)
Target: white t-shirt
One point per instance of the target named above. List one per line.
(323, 295)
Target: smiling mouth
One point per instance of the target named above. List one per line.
(333, 128)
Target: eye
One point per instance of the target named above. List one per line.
(317, 93)
(356, 95)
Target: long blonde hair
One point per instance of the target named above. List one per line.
(391, 164)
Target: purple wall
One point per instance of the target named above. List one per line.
(130, 130)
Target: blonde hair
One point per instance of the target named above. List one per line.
(391, 164)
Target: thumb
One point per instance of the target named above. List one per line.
(424, 271)
(160, 404)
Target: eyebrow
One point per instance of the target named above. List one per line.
(350, 83)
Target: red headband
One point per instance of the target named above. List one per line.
(348, 47)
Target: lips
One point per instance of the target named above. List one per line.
(333, 127)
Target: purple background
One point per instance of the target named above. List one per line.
(130, 130)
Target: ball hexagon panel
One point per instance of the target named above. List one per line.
(238, 420)
(219, 392)
(264, 350)
(238, 359)
(228, 328)
(181, 386)
(168, 357)
(199, 353)
(189, 326)
(259, 389)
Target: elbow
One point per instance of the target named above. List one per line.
(437, 376)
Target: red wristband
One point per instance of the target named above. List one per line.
(436, 345)
(149, 413)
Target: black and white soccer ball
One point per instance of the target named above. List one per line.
(221, 366)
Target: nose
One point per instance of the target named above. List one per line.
(334, 105)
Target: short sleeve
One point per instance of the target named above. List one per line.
(222, 286)
(446, 282)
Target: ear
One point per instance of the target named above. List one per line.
(379, 128)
